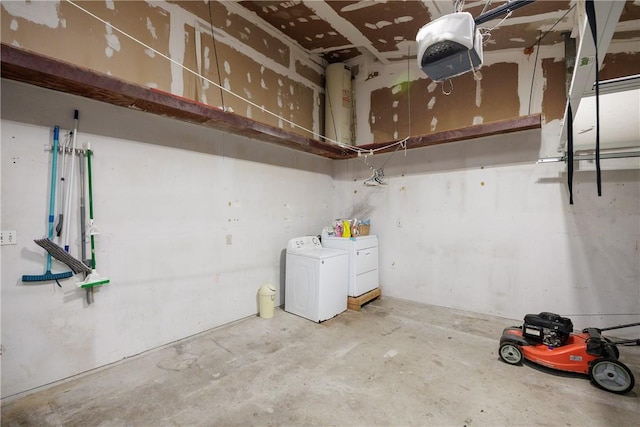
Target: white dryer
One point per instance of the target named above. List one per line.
(363, 261)
(315, 279)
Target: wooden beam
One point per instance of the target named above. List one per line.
(28, 67)
(50, 73)
(516, 124)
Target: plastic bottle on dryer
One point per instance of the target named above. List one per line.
(346, 229)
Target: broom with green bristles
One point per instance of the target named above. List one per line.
(93, 279)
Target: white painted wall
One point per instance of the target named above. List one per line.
(164, 213)
(478, 225)
(484, 228)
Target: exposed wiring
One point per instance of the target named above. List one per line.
(486, 32)
(352, 148)
(409, 89)
(537, 42)
(533, 77)
(215, 52)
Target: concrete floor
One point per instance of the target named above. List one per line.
(394, 363)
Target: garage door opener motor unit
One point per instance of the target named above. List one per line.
(449, 46)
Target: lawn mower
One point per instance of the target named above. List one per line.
(548, 339)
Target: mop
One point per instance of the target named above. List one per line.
(93, 279)
(61, 255)
(53, 249)
(52, 197)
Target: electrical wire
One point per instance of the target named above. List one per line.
(538, 51)
(485, 31)
(533, 77)
(260, 107)
(215, 53)
(552, 27)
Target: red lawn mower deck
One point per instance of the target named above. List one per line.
(547, 339)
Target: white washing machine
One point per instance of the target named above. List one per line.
(315, 279)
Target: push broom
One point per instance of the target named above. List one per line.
(93, 278)
(48, 275)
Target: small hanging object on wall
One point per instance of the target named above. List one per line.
(377, 179)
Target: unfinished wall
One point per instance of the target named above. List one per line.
(170, 46)
(398, 100)
(509, 85)
(192, 221)
(424, 108)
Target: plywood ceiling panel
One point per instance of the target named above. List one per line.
(343, 30)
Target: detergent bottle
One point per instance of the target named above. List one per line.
(346, 229)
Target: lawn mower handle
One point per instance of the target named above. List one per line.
(628, 325)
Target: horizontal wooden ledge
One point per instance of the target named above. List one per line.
(517, 124)
(39, 70)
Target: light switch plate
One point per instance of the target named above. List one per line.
(8, 237)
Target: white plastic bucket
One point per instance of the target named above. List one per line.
(267, 300)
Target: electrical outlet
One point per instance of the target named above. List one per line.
(8, 237)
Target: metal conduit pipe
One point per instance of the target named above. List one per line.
(578, 157)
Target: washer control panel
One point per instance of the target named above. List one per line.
(303, 243)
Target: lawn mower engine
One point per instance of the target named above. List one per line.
(547, 328)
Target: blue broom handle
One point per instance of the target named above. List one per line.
(52, 195)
